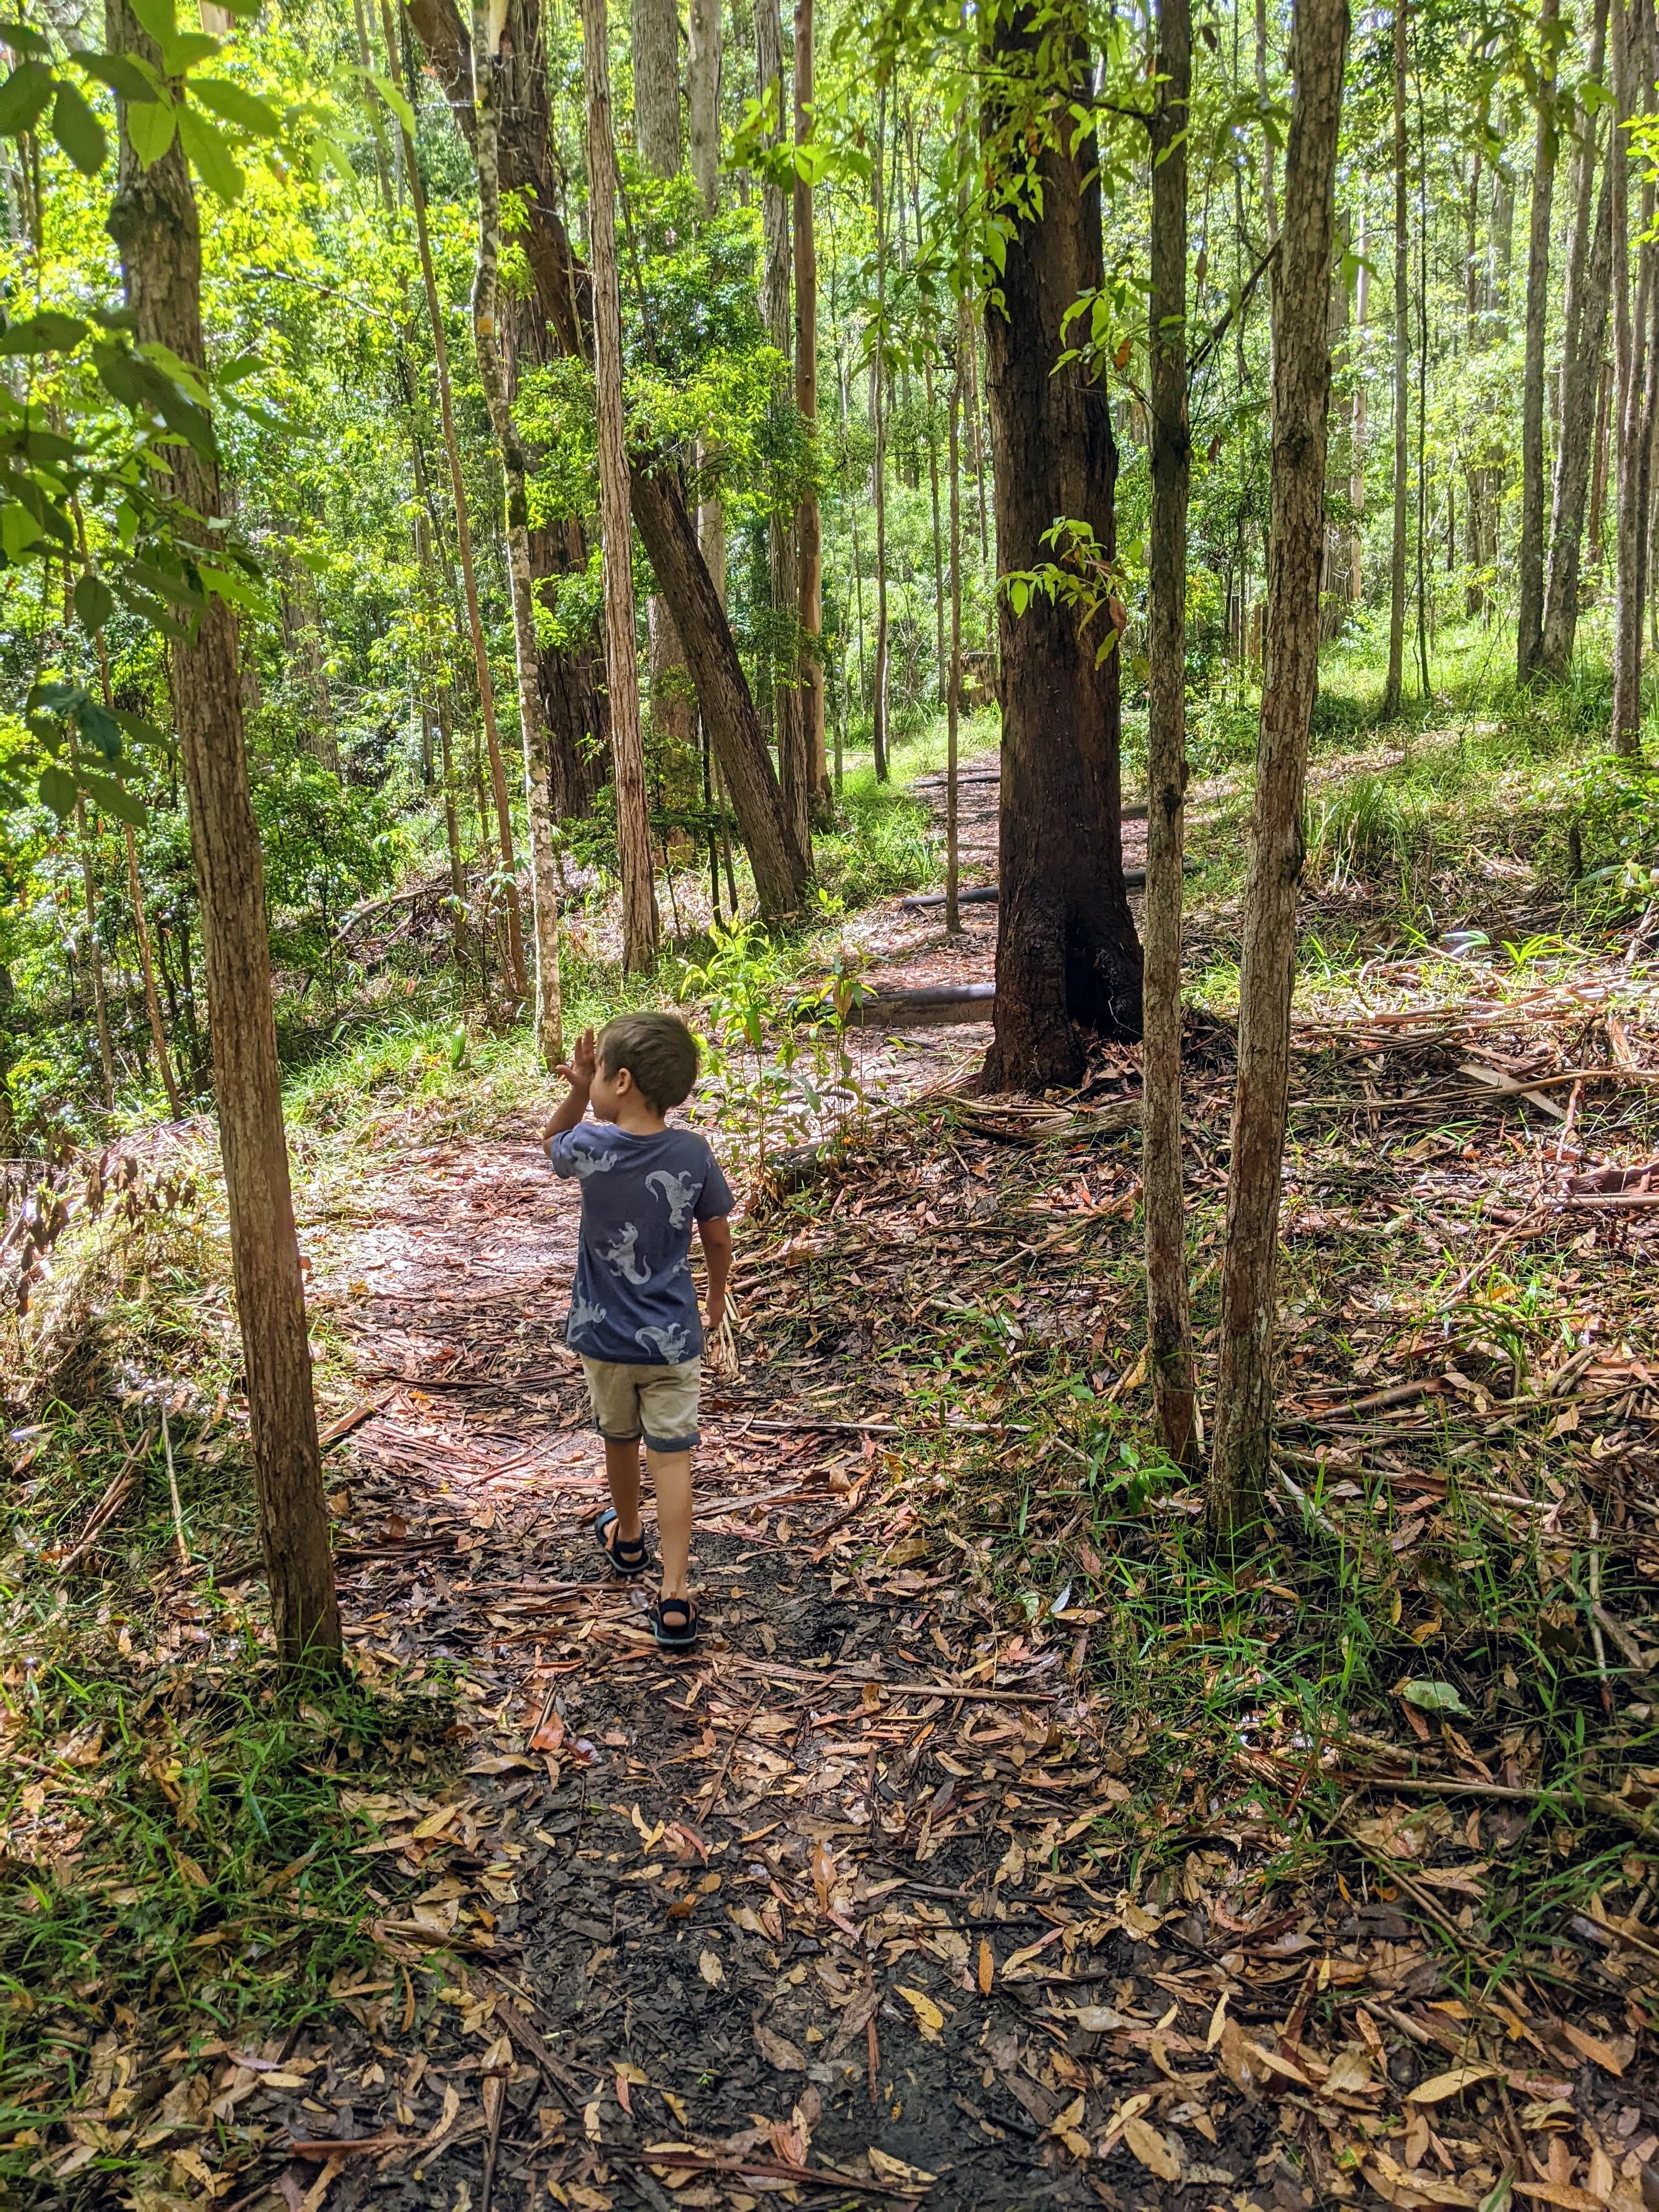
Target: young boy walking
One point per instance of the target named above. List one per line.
(633, 1307)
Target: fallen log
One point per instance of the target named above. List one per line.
(928, 1006)
(1135, 879)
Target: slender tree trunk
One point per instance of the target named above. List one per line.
(1269, 195)
(1581, 378)
(1529, 639)
(1604, 382)
(1630, 329)
(879, 735)
(492, 370)
(1168, 1318)
(158, 1032)
(658, 142)
(809, 524)
(1068, 961)
(94, 953)
(1302, 383)
(519, 973)
(785, 655)
(1357, 484)
(953, 694)
(1392, 691)
(438, 697)
(703, 82)
(628, 748)
(154, 225)
(932, 449)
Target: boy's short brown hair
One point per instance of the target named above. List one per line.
(658, 1052)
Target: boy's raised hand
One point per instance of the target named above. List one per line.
(583, 1064)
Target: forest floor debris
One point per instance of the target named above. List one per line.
(996, 1848)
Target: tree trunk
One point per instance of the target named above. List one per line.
(1302, 384)
(519, 976)
(809, 528)
(492, 371)
(1629, 329)
(657, 138)
(784, 652)
(878, 734)
(1391, 694)
(702, 81)
(94, 953)
(1168, 1318)
(154, 225)
(656, 57)
(1269, 195)
(1356, 485)
(1529, 632)
(953, 695)
(615, 530)
(563, 287)
(1599, 471)
(1067, 961)
(1588, 276)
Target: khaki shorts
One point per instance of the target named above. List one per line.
(657, 1403)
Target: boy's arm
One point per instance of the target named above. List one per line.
(716, 1234)
(580, 1076)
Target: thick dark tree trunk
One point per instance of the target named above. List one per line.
(1529, 619)
(1067, 961)
(154, 223)
(563, 289)
(1301, 405)
(1169, 1320)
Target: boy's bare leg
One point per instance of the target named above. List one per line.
(622, 1471)
(671, 1476)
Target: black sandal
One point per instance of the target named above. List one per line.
(629, 1556)
(674, 1623)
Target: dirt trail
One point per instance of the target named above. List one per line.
(735, 1897)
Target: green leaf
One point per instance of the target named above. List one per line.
(112, 797)
(24, 97)
(50, 332)
(94, 602)
(243, 10)
(1434, 1697)
(18, 530)
(100, 728)
(126, 74)
(237, 371)
(159, 18)
(245, 109)
(209, 154)
(151, 125)
(394, 99)
(56, 788)
(186, 48)
(78, 131)
(23, 40)
(143, 732)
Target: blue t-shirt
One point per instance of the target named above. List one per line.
(633, 1299)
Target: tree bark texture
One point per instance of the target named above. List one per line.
(879, 729)
(154, 225)
(616, 528)
(563, 289)
(1302, 384)
(1393, 688)
(1169, 1320)
(487, 90)
(809, 526)
(703, 82)
(519, 974)
(1529, 619)
(1588, 276)
(656, 38)
(95, 955)
(1630, 21)
(783, 651)
(1067, 961)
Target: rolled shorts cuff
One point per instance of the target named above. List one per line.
(670, 1444)
(659, 1403)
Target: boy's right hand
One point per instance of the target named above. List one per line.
(583, 1064)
